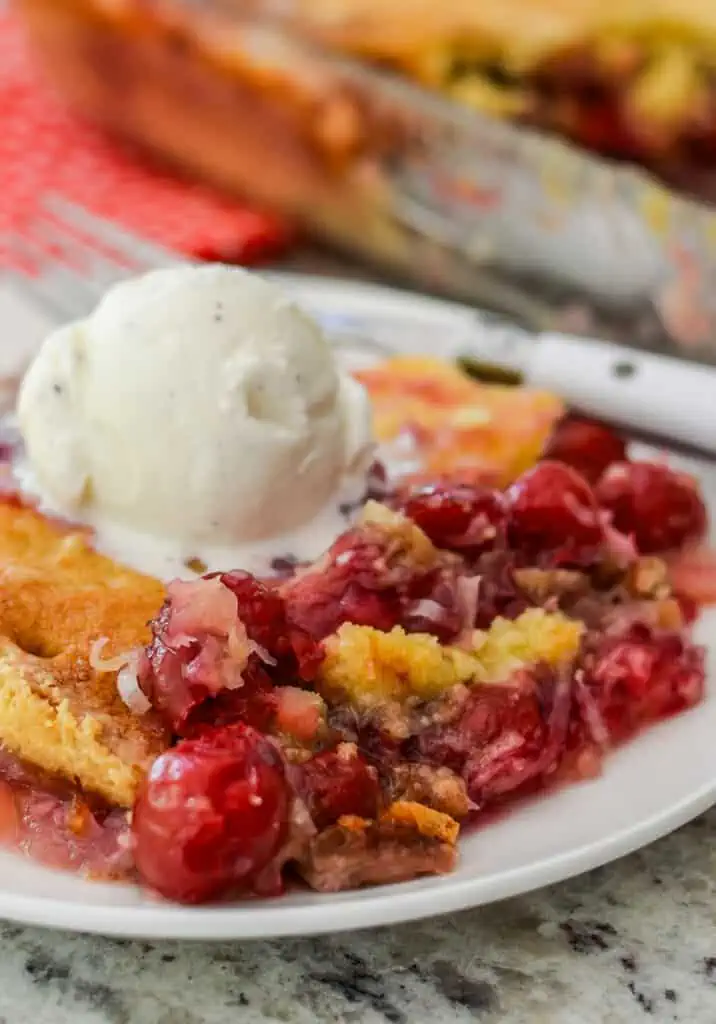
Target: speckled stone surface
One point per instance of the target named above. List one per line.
(633, 941)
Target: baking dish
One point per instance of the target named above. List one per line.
(257, 99)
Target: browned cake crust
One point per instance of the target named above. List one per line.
(174, 83)
(57, 597)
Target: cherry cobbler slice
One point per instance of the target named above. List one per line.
(457, 648)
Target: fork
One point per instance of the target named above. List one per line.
(66, 259)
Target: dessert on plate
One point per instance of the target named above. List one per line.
(255, 634)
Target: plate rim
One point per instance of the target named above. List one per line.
(369, 908)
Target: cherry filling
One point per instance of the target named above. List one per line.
(640, 677)
(264, 614)
(262, 765)
(217, 646)
(48, 819)
(366, 580)
(506, 739)
(509, 739)
(339, 782)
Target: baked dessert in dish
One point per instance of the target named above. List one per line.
(337, 716)
(287, 103)
(632, 81)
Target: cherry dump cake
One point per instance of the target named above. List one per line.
(456, 648)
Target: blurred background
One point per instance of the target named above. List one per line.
(551, 163)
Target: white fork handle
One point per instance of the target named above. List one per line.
(656, 394)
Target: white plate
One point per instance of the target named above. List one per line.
(660, 781)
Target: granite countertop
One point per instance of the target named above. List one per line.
(632, 941)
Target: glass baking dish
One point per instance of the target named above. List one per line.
(448, 199)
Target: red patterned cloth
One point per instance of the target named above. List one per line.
(44, 148)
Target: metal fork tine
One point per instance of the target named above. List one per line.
(142, 254)
(70, 230)
(30, 288)
(100, 267)
(74, 266)
(67, 257)
(56, 280)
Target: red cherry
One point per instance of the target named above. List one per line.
(379, 609)
(642, 677)
(660, 508)
(339, 782)
(254, 704)
(211, 814)
(490, 712)
(587, 446)
(368, 580)
(353, 587)
(190, 659)
(552, 508)
(456, 515)
(260, 609)
(263, 612)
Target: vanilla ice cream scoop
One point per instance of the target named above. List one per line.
(194, 404)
